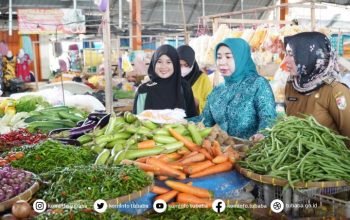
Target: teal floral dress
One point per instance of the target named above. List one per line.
(244, 103)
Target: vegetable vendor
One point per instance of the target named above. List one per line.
(314, 86)
(167, 89)
(200, 82)
(244, 103)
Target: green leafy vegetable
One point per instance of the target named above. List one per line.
(29, 103)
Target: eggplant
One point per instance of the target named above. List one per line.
(97, 115)
(103, 121)
(79, 131)
(69, 141)
(80, 123)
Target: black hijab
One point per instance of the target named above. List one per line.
(165, 93)
(315, 60)
(187, 54)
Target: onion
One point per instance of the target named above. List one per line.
(21, 209)
(8, 217)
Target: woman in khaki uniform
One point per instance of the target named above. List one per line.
(314, 87)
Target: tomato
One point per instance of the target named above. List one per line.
(3, 163)
(12, 157)
(19, 155)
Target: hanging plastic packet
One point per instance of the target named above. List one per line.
(126, 65)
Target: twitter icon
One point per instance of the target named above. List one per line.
(100, 206)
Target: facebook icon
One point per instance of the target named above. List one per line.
(218, 205)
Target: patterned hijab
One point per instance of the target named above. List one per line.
(244, 64)
(315, 60)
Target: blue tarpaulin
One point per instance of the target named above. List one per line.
(226, 185)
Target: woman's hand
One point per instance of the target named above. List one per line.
(257, 137)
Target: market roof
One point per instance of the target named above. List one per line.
(151, 12)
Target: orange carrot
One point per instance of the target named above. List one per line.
(222, 167)
(183, 151)
(162, 178)
(170, 194)
(206, 153)
(165, 169)
(143, 166)
(189, 144)
(176, 166)
(146, 144)
(207, 145)
(191, 199)
(170, 157)
(141, 159)
(216, 148)
(167, 196)
(182, 187)
(196, 167)
(220, 159)
(159, 190)
(195, 158)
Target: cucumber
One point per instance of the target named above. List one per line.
(149, 124)
(205, 132)
(84, 139)
(97, 149)
(162, 131)
(40, 118)
(197, 138)
(119, 157)
(170, 148)
(164, 139)
(116, 149)
(133, 154)
(102, 157)
(70, 116)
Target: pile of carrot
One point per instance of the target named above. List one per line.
(193, 160)
(184, 193)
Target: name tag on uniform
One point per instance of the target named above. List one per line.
(292, 99)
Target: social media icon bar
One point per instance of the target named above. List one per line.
(277, 205)
(218, 205)
(159, 206)
(100, 206)
(39, 206)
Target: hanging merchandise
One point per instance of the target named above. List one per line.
(27, 46)
(126, 65)
(22, 66)
(74, 58)
(9, 67)
(3, 48)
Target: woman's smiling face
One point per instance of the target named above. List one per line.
(164, 67)
(225, 61)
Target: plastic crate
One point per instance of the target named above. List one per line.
(301, 203)
(334, 42)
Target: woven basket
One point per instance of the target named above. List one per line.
(26, 195)
(283, 182)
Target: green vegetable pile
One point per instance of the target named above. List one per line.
(93, 182)
(299, 149)
(122, 94)
(84, 215)
(201, 214)
(50, 154)
(29, 103)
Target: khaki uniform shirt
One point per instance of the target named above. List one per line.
(329, 105)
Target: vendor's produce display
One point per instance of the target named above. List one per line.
(300, 150)
(90, 183)
(12, 122)
(19, 138)
(48, 119)
(201, 213)
(128, 138)
(13, 182)
(84, 214)
(50, 155)
(123, 94)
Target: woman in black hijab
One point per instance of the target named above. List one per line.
(166, 90)
(200, 82)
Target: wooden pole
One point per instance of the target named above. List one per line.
(35, 68)
(283, 11)
(107, 60)
(136, 24)
(313, 19)
(184, 20)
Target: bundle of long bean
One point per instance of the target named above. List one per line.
(300, 149)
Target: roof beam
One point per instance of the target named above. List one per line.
(154, 6)
(192, 11)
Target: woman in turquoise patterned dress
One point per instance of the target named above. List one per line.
(244, 103)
